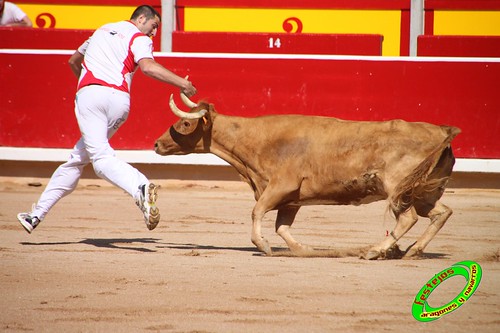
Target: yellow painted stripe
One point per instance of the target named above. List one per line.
(383, 22)
(78, 17)
(472, 23)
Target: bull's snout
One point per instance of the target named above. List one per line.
(165, 146)
(158, 149)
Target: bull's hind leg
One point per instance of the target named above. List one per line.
(438, 216)
(404, 223)
(284, 221)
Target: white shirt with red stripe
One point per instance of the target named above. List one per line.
(111, 55)
(11, 14)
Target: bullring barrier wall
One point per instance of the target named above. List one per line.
(37, 88)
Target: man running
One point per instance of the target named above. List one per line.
(105, 64)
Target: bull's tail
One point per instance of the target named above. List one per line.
(422, 180)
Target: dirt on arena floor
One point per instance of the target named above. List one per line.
(92, 265)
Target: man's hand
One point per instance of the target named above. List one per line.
(188, 89)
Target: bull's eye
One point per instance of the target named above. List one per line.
(187, 124)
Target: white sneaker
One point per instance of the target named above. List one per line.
(28, 222)
(147, 204)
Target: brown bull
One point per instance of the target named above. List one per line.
(295, 160)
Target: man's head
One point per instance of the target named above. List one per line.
(147, 20)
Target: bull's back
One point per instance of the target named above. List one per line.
(350, 144)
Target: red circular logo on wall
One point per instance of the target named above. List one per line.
(41, 20)
(292, 22)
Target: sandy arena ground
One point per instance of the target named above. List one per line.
(92, 266)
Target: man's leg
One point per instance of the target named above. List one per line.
(62, 183)
(63, 180)
(100, 112)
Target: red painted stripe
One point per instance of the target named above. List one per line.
(277, 43)
(459, 46)
(462, 4)
(318, 4)
(179, 19)
(49, 38)
(429, 22)
(134, 3)
(463, 94)
(404, 40)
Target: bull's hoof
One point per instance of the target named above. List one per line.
(391, 253)
(394, 252)
(300, 250)
(263, 246)
(413, 253)
(371, 255)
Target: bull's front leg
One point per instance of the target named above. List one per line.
(278, 190)
(257, 239)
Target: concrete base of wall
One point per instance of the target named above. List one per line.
(36, 169)
(209, 172)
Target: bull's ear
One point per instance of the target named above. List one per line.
(207, 118)
(211, 108)
(206, 122)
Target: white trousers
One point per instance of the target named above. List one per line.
(100, 111)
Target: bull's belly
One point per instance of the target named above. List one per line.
(339, 201)
(317, 190)
(357, 191)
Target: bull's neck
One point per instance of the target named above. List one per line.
(231, 141)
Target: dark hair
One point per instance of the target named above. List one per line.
(145, 10)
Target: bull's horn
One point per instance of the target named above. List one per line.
(182, 114)
(189, 103)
